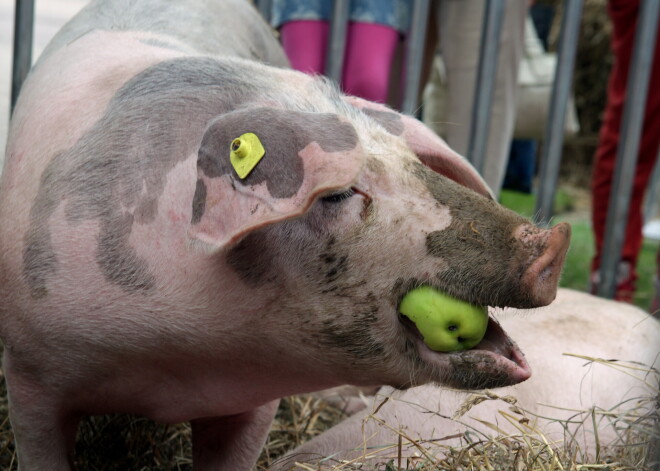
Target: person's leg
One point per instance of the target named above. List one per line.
(519, 173)
(460, 36)
(370, 50)
(305, 43)
(624, 18)
(460, 25)
(505, 94)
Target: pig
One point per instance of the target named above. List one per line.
(139, 273)
(570, 400)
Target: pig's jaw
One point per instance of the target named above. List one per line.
(495, 362)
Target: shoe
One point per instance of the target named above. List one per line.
(625, 282)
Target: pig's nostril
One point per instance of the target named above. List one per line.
(542, 276)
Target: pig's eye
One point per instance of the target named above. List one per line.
(339, 196)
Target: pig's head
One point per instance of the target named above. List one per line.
(348, 211)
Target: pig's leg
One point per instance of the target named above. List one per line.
(44, 428)
(231, 442)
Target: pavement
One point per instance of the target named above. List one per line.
(50, 15)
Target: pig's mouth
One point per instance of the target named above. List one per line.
(495, 362)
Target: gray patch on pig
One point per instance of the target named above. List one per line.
(162, 44)
(39, 258)
(252, 260)
(484, 260)
(154, 121)
(357, 337)
(283, 134)
(39, 261)
(376, 165)
(118, 260)
(390, 120)
(336, 268)
(333, 266)
(147, 211)
(400, 288)
(473, 370)
(199, 201)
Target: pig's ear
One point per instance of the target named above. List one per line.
(259, 166)
(428, 146)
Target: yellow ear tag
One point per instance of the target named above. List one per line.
(246, 152)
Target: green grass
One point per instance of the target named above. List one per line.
(524, 203)
(578, 260)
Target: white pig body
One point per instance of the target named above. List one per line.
(570, 400)
(139, 273)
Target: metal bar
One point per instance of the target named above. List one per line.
(630, 134)
(337, 43)
(22, 61)
(554, 131)
(653, 192)
(487, 70)
(415, 55)
(265, 8)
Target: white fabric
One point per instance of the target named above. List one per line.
(460, 24)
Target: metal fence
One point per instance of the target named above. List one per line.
(551, 150)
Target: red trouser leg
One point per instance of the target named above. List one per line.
(624, 18)
(305, 43)
(370, 51)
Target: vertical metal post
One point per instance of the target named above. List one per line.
(554, 131)
(415, 55)
(483, 96)
(653, 192)
(630, 134)
(23, 27)
(265, 8)
(337, 43)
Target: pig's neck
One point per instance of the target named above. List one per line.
(236, 357)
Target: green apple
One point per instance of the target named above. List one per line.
(446, 323)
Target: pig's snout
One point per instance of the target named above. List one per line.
(542, 275)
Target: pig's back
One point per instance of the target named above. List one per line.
(101, 161)
(219, 28)
(75, 146)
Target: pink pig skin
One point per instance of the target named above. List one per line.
(140, 274)
(563, 388)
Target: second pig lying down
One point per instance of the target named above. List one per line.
(574, 400)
